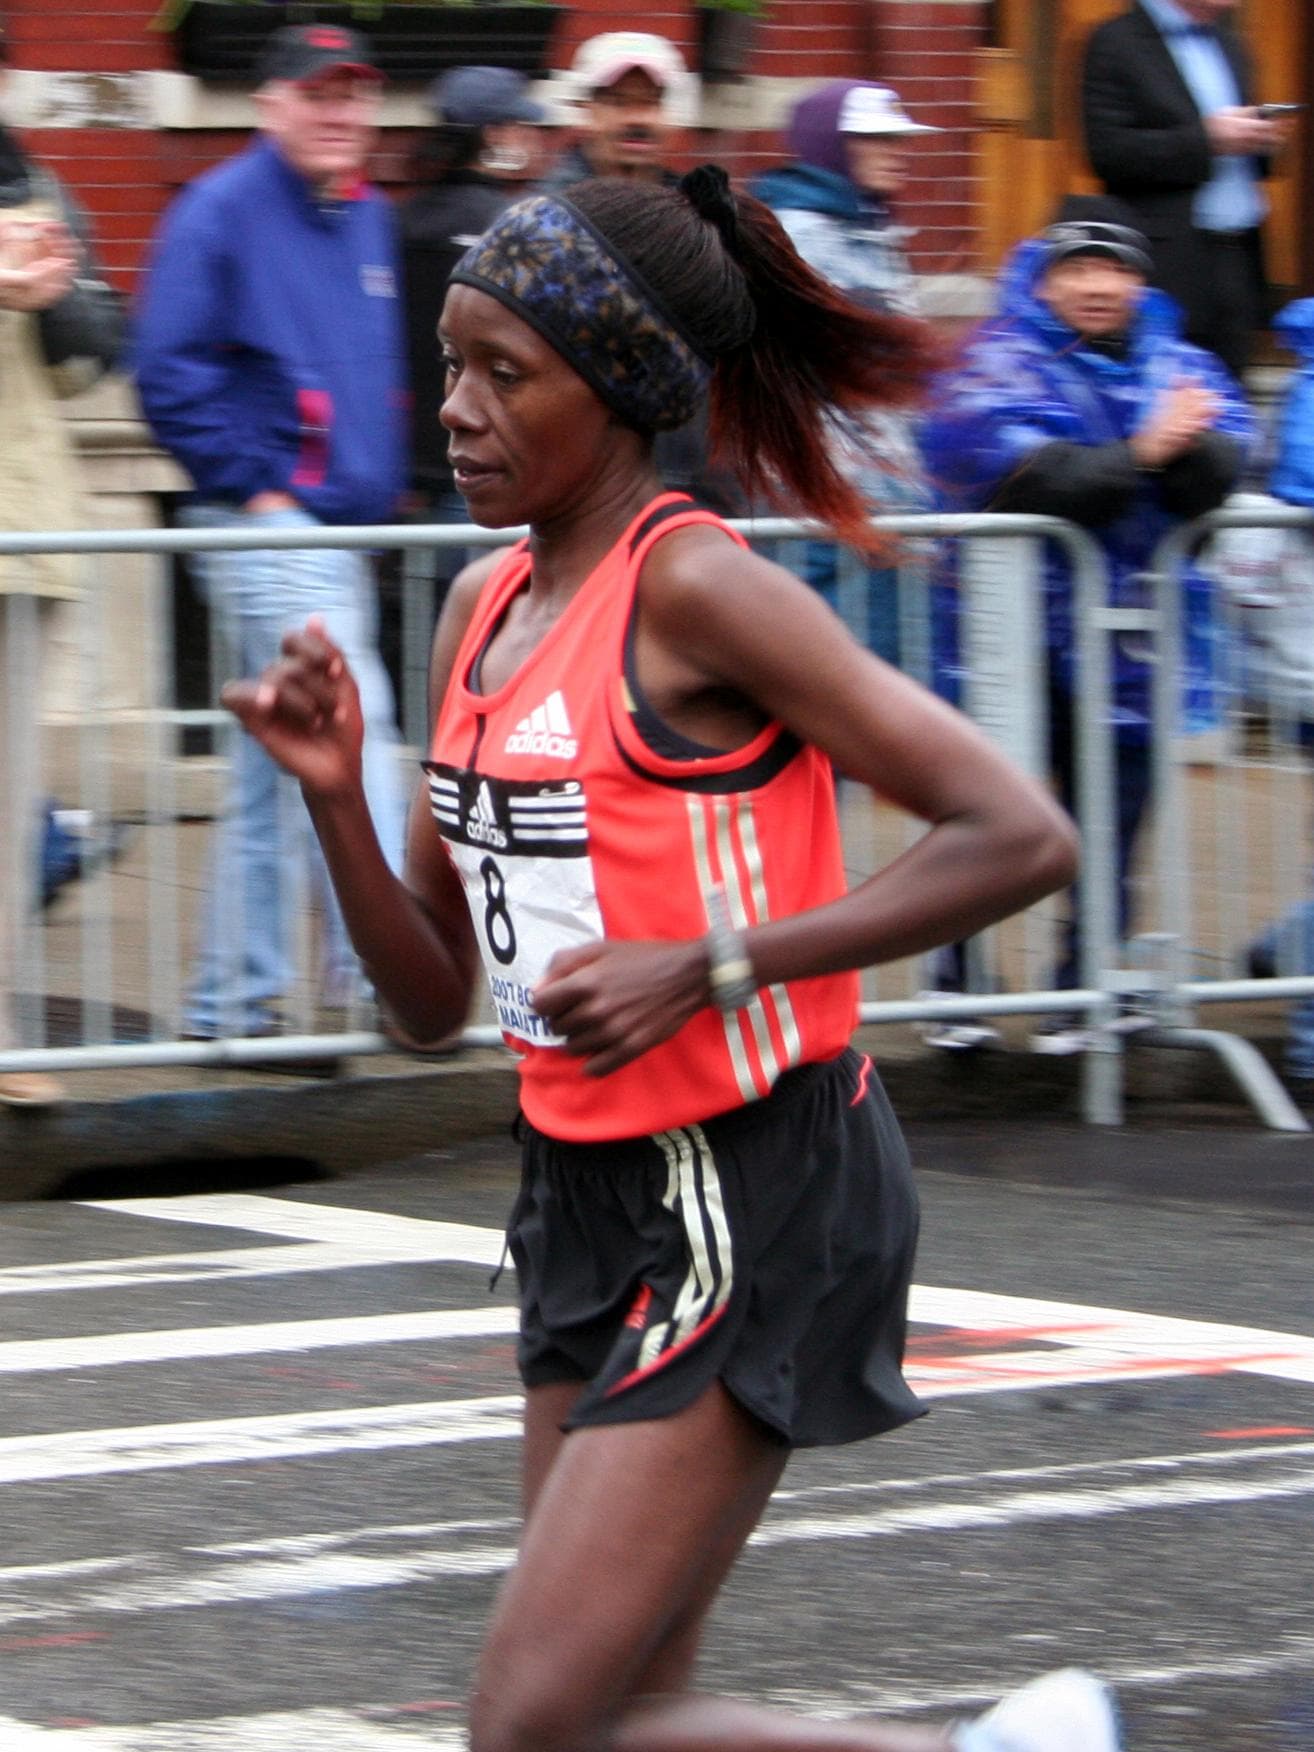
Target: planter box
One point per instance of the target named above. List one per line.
(217, 40)
(726, 40)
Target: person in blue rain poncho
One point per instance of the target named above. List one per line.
(1079, 399)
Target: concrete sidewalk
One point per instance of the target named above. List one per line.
(174, 1130)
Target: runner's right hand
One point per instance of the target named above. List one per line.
(305, 712)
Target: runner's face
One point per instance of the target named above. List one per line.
(528, 435)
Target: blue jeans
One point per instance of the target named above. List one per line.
(874, 621)
(1132, 775)
(265, 856)
(1289, 943)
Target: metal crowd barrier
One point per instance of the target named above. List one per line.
(132, 948)
(1230, 851)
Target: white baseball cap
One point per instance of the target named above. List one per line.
(602, 60)
(875, 109)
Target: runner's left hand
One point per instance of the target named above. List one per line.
(613, 1001)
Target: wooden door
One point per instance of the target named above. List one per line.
(1029, 148)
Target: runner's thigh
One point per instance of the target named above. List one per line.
(613, 1559)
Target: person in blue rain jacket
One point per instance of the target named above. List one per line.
(1079, 399)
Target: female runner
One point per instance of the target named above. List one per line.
(630, 816)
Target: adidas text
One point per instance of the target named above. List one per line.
(542, 742)
(485, 833)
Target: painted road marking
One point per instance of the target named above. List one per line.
(327, 1730)
(393, 1728)
(253, 1440)
(391, 1556)
(176, 1344)
(1289, 1654)
(1117, 1343)
(148, 1270)
(326, 1237)
(336, 1225)
(1035, 1343)
(1070, 1343)
(1074, 1343)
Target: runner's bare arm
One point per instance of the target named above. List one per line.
(997, 839)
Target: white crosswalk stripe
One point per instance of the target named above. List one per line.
(326, 1730)
(237, 1440)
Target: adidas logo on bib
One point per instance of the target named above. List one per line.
(481, 823)
(545, 731)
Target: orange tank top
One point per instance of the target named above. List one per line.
(571, 813)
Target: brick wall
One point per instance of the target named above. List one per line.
(106, 36)
(125, 175)
(926, 50)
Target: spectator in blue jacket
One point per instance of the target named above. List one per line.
(1080, 400)
(270, 363)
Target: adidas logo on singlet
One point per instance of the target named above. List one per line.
(481, 824)
(545, 731)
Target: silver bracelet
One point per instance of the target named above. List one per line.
(731, 980)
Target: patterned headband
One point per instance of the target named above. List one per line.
(544, 261)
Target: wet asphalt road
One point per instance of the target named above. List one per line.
(258, 1457)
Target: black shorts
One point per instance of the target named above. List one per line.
(770, 1248)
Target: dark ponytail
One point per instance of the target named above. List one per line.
(793, 355)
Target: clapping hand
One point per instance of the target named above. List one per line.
(38, 263)
(1178, 419)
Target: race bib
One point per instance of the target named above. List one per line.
(521, 847)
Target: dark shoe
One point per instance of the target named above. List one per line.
(1261, 959)
(323, 1066)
